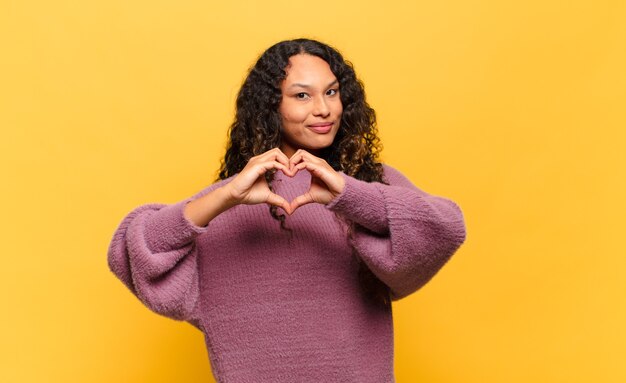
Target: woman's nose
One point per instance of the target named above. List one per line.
(320, 107)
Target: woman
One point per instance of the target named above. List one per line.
(300, 293)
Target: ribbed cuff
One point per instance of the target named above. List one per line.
(168, 228)
(362, 203)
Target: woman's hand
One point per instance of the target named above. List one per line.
(326, 182)
(250, 187)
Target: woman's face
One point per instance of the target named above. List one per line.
(310, 108)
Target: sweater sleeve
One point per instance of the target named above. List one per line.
(153, 253)
(402, 233)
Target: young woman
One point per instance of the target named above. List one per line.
(299, 292)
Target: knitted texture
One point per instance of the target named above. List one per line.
(286, 306)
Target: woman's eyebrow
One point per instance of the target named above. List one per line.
(335, 82)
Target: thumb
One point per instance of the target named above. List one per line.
(276, 200)
(300, 200)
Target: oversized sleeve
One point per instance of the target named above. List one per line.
(403, 234)
(153, 253)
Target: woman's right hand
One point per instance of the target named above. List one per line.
(247, 187)
(250, 187)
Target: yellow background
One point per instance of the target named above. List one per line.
(515, 110)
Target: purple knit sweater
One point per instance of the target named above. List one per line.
(276, 306)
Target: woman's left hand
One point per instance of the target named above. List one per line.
(326, 182)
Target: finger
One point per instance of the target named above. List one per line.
(316, 169)
(298, 156)
(286, 169)
(276, 200)
(272, 154)
(301, 165)
(278, 155)
(303, 155)
(333, 180)
(262, 167)
(295, 159)
(300, 201)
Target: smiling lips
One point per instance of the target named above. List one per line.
(321, 127)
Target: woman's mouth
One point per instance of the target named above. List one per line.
(321, 128)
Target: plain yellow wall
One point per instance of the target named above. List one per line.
(515, 110)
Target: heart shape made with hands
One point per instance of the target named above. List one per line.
(326, 183)
(250, 187)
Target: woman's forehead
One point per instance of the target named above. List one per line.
(308, 70)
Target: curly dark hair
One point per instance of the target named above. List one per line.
(257, 127)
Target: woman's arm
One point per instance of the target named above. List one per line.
(153, 253)
(153, 250)
(403, 234)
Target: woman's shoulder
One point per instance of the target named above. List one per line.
(388, 169)
(392, 175)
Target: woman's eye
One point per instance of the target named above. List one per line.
(331, 92)
(302, 96)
